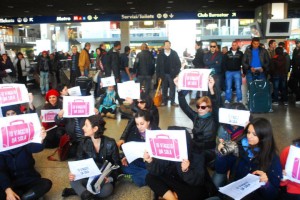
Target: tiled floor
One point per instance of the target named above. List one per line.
(285, 121)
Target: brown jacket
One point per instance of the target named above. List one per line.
(84, 60)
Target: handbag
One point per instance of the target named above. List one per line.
(62, 150)
(95, 78)
(157, 99)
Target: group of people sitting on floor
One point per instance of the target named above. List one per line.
(189, 179)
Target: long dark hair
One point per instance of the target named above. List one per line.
(97, 120)
(266, 144)
(143, 113)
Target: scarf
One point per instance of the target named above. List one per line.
(205, 116)
(234, 134)
(251, 151)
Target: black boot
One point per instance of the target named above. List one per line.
(86, 195)
(68, 192)
(30, 195)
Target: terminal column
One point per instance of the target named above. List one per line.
(125, 36)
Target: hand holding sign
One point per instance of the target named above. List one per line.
(109, 81)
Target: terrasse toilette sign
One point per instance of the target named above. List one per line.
(78, 106)
(19, 130)
(11, 94)
(167, 144)
(194, 79)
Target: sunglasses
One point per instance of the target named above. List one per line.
(213, 46)
(140, 102)
(202, 107)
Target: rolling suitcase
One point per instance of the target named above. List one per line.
(85, 84)
(260, 100)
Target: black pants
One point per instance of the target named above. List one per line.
(167, 82)
(31, 191)
(106, 110)
(53, 137)
(161, 184)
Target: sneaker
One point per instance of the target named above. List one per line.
(68, 192)
(102, 114)
(110, 115)
(226, 101)
(286, 103)
(174, 104)
(275, 103)
(163, 104)
(125, 177)
(239, 101)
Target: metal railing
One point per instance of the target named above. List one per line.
(18, 39)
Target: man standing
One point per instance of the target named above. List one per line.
(124, 69)
(74, 71)
(44, 66)
(213, 60)
(295, 75)
(113, 61)
(255, 62)
(232, 65)
(84, 60)
(272, 47)
(145, 66)
(167, 68)
(198, 64)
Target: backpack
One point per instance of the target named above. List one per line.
(62, 150)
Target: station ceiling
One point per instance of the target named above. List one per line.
(22, 8)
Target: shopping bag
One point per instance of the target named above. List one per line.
(157, 99)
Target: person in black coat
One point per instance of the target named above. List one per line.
(184, 180)
(99, 147)
(74, 68)
(137, 168)
(18, 177)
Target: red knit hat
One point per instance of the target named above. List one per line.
(46, 52)
(51, 92)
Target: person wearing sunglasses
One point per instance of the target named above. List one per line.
(213, 60)
(145, 104)
(205, 119)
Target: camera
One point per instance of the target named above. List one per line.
(230, 147)
(256, 73)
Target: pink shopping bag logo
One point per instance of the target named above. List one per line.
(296, 169)
(18, 132)
(49, 116)
(78, 107)
(163, 146)
(10, 94)
(192, 79)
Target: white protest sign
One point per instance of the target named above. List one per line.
(49, 115)
(129, 89)
(292, 166)
(19, 130)
(83, 168)
(74, 91)
(109, 81)
(193, 79)
(8, 70)
(78, 106)
(11, 94)
(234, 117)
(240, 188)
(167, 144)
(133, 150)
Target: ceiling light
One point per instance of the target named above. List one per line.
(89, 4)
(168, 7)
(132, 8)
(211, 1)
(49, 5)
(204, 6)
(129, 2)
(211, 26)
(10, 6)
(148, 23)
(61, 10)
(170, 1)
(96, 8)
(26, 11)
(240, 6)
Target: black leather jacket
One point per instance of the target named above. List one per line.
(232, 62)
(175, 64)
(113, 63)
(144, 63)
(204, 129)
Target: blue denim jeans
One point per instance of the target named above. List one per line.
(236, 76)
(44, 82)
(124, 76)
(219, 180)
(86, 72)
(279, 84)
(250, 77)
(138, 171)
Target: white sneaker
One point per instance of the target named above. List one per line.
(286, 103)
(226, 101)
(275, 103)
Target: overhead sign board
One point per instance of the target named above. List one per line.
(126, 17)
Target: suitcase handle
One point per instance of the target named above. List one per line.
(162, 136)
(18, 120)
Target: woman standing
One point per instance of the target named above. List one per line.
(20, 64)
(7, 65)
(100, 67)
(99, 147)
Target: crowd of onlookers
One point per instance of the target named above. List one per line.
(207, 141)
